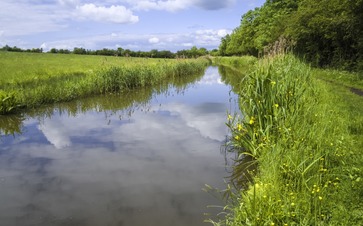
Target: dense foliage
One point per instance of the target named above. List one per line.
(326, 32)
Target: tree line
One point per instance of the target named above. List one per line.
(193, 52)
(324, 32)
(16, 49)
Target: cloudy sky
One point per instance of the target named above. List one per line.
(130, 24)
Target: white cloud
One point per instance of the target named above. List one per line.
(188, 44)
(208, 38)
(223, 32)
(69, 2)
(23, 18)
(116, 14)
(34, 18)
(43, 46)
(68, 23)
(154, 40)
(169, 5)
(176, 5)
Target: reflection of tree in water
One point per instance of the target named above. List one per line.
(232, 77)
(11, 124)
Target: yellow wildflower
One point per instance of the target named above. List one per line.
(229, 117)
(276, 105)
(252, 120)
(273, 83)
(239, 127)
(236, 137)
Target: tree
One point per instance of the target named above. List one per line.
(77, 50)
(154, 53)
(225, 41)
(326, 32)
(120, 51)
(202, 51)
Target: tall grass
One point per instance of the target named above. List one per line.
(294, 132)
(20, 91)
(122, 104)
(240, 63)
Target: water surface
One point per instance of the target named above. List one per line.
(140, 158)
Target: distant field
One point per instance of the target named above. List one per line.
(23, 67)
(33, 79)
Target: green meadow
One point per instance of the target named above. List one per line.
(31, 79)
(298, 143)
(298, 138)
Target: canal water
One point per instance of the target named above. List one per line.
(137, 158)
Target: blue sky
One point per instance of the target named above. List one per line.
(130, 24)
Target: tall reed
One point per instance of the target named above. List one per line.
(295, 136)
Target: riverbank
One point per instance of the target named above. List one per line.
(305, 136)
(29, 80)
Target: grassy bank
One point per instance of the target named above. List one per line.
(240, 63)
(305, 136)
(349, 79)
(109, 104)
(28, 80)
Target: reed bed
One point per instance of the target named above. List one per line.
(295, 132)
(33, 83)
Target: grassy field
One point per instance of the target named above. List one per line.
(30, 79)
(304, 137)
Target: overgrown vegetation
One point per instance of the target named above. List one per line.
(28, 80)
(305, 138)
(326, 33)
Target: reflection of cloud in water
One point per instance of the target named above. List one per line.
(211, 77)
(207, 118)
(55, 132)
(147, 169)
(153, 176)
